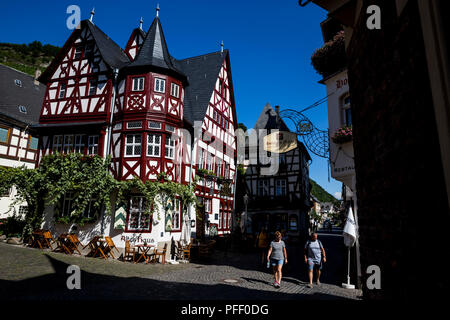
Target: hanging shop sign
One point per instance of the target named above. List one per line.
(280, 142)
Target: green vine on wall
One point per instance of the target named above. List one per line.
(88, 178)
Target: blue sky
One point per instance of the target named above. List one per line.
(270, 45)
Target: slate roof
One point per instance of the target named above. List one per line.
(268, 120)
(154, 51)
(202, 73)
(12, 96)
(111, 52)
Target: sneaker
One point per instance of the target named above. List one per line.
(277, 285)
(309, 285)
(318, 282)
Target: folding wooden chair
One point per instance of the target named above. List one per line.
(111, 244)
(161, 253)
(108, 248)
(129, 251)
(48, 238)
(37, 239)
(62, 244)
(72, 243)
(93, 245)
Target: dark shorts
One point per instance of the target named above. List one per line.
(312, 265)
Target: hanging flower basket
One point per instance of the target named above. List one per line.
(343, 135)
(331, 57)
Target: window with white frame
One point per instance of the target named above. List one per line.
(154, 125)
(78, 52)
(175, 90)
(169, 147)
(79, 143)
(160, 85)
(62, 90)
(218, 167)
(138, 219)
(93, 145)
(280, 188)
(68, 143)
(209, 162)
(263, 188)
(93, 87)
(226, 173)
(138, 84)
(66, 209)
(134, 124)
(91, 209)
(201, 155)
(153, 145)
(207, 202)
(57, 143)
(133, 145)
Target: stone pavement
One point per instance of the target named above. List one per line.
(31, 274)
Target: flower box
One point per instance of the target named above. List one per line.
(343, 135)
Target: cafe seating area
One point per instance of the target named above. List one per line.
(103, 247)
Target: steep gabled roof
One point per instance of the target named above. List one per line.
(202, 73)
(110, 51)
(154, 51)
(12, 96)
(268, 120)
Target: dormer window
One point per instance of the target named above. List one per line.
(160, 85)
(18, 83)
(175, 90)
(23, 109)
(138, 84)
(92, 87)
(78, 51)
(62, 90)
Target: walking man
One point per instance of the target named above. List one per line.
(314, 257)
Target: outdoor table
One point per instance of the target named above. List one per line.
(144, 249)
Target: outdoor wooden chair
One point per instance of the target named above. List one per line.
(37, 239)
(111, 244)
(160, 253)
(62, 244)
(108, 248)
(129, 251)
(187, 251)
(93, 246)
(72, 243)
(48, 238)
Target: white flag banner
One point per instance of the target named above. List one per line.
(350, 232)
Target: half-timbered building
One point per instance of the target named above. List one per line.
(278, 199)
(140, 105)
(21, 98)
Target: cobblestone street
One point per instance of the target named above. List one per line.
(27, 273)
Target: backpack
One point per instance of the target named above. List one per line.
(320, 244)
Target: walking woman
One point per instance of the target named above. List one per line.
(278, 256)
(262, 242)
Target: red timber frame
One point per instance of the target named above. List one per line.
(144, 106)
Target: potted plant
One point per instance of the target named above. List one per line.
(343, 135)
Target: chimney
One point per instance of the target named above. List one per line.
(37, 74)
